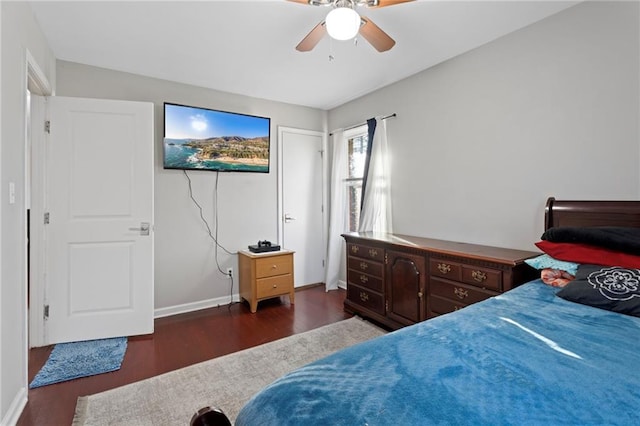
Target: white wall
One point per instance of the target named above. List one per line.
(483, 139)
(20, 33)
(185, 272)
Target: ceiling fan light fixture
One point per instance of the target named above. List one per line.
(342, 23)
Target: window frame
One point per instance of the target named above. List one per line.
(353, 182)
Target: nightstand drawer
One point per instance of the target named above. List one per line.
(365, 252)
(274, 265)
(366, 266)
(364, 280)
(274, 286)
(365, 298)
(459, 293)
(445, 269)
(482, 277)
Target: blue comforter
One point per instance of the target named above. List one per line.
(526, 357)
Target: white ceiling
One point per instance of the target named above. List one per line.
(248, 47)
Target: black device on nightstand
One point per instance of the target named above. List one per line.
(263, 247)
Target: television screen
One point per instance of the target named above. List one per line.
(206, 139)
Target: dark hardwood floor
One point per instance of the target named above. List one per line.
(182, 340)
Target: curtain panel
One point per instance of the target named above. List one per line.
(376, 196)
(338, 212)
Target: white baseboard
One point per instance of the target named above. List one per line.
(342, 284)
(15, 409)
(194, 306)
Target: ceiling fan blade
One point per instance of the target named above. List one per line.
(311, 39)
(374, 35)
(384, 3)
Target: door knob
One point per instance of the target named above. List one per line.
(144, 228)
(288, 217)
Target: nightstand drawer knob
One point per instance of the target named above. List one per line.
(363, 266)
(420, 295)
(355, 249)
(461, 293)
(275, 286)
(274, 267)
(364, 296)
(478, 276)
(364, 279)
(444, 268)
(373, 253)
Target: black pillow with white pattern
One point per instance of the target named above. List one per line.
(613, 288)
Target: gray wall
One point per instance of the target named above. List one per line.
(20, 33)
(185, 272)
(483, 139)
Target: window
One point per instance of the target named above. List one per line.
(357, 154)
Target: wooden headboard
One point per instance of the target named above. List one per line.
(591, 213)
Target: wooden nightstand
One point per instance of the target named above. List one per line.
(265, 275)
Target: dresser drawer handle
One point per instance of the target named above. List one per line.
(355, 249)
(373, 252)
(444, 268)
(420, 295)
(478, 276)
(364, 279)
(461, 293)
(363, 266)
(274, 266)
(275, 286)
(457, 308)
(364, 296)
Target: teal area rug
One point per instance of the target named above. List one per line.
(81, 359)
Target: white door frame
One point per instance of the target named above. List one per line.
(325, 222)
(39, 85)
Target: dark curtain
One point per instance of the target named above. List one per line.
(371, 130)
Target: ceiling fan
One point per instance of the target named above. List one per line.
(344, 23)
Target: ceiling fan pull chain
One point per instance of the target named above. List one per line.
(331, 57)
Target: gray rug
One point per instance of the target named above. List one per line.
(226, 382)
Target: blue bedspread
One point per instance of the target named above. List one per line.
(526, 357)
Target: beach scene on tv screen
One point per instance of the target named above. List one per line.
(203, 139)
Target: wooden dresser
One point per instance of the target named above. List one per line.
(399, 280)
(265, 275)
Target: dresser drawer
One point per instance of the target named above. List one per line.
(365, 252)
(440, 306)
(274, 265)
(445, 269)
(364, 280)
(366, 266)
(459, 293)
(482, 277)
(274, 286)
(366, 298)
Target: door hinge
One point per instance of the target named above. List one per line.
(323, 263)
(46, 311)
(46, 218)
(47, 126)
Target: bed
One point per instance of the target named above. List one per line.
(524, 357)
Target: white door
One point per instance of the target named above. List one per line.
(99, 239)
(303, 227)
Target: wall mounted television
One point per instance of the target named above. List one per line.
(206, 139)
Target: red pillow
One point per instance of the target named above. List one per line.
(584, 253)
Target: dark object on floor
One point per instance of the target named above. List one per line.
(209, 416)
